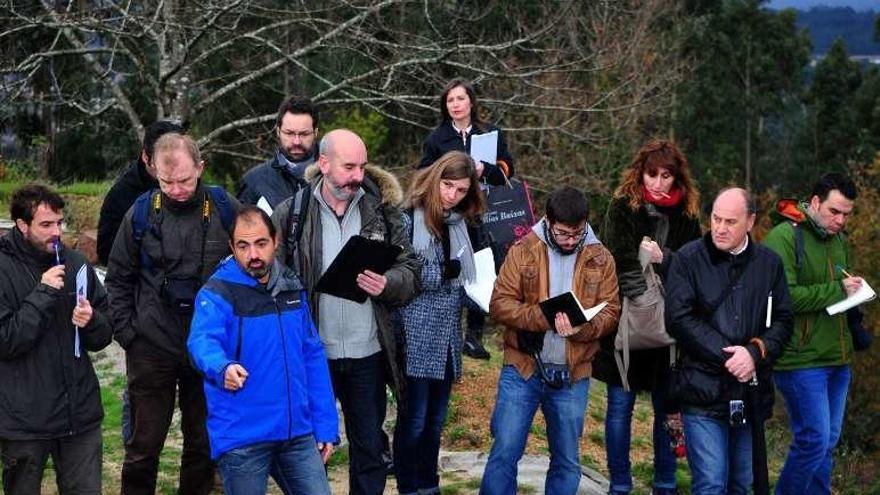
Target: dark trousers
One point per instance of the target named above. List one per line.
(77, 461)
(153, 379)
(359, 384)
(418, 431)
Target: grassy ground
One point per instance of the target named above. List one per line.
(467, 429)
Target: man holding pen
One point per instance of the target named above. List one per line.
(50, 403)
(813, 373)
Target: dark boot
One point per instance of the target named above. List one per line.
(473, 340)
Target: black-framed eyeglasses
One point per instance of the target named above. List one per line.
(568, 235)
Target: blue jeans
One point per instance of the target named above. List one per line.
(418, 430)
(618, 427)
(246, 470)
(518, 400)
(720, 457)
(815, 399)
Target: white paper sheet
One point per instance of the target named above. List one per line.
(82, 292)
(264, 205)
(864, 294)
(484, 147)
(480, 290)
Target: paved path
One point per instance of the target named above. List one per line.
(532, 471)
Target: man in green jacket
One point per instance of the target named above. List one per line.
(813, 373)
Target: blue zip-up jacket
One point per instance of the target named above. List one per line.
(270, 333)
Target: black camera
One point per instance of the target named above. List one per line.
(180, 293)
(451, 269)
(737, 413)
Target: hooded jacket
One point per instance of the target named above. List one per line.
(137, 306)
(380, 212)
(696, 280)
(524, 282)
(818, 339)
(45, 391)
(270, 333)
(273, 180)
(133, 182)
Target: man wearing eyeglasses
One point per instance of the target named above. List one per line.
(546, 363)
(279, 178)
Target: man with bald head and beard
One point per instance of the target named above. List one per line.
(346, 197)
(727, 305)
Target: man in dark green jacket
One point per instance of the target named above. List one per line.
(50, 402)
(813, 373)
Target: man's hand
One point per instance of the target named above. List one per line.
(82, 313)
(654, 249)
(740, 364)
(851, 285)
(563, 325)
(479, 168)
(54, 277)
(371, 282)
(235, 377)
(326, 449)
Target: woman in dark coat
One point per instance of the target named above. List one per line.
(459, 122)
(444, 211)
(657, 199)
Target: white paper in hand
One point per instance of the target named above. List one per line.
(480, 290)
(82, 291)
(484, 147)
(264, 205)
(864, 294)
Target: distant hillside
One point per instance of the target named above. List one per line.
(828, 23)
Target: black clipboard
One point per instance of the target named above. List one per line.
(357, 255)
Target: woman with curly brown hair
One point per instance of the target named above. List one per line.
(656, 199)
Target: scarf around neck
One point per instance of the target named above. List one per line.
(675, 197)
(459, 241)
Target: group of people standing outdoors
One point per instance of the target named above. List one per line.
(214, 300)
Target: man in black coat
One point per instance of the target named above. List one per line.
(138, 177)
(279, 178)
(152, 283)
(727, 305)
(50, 403)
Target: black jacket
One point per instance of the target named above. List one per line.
(622, 233)
(137, 306)
(272, 180)
(133, 182)
(444, 139)
(696, 279)
(46, 392)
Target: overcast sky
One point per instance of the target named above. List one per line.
(806, 4)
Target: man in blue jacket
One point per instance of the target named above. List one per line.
(267, 384)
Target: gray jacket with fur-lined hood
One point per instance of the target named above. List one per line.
(381, 218)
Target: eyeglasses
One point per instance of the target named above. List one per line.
(568, 235)
(301, 134)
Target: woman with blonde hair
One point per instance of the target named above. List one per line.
(657, 199)
(444, 209)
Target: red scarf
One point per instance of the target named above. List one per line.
(674, 198)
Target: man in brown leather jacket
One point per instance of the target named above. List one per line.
(547, 364)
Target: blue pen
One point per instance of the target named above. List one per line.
(55, 245)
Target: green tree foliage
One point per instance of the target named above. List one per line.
(832, 102)
(748, 77)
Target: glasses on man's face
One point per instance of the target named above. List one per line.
(298, 134)
(568, 235)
